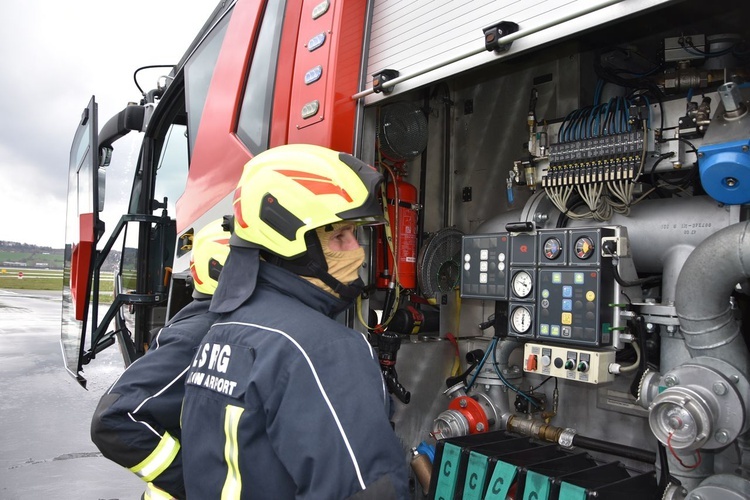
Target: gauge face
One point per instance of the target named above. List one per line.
(584, 247)
(522, 284)
(552, 248)
(520, 319)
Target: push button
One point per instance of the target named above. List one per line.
(531, 363)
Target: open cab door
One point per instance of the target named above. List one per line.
(80, 240)
(90, 156)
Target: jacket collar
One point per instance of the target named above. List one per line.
(237, 279)
(243, 271)
(287, 283)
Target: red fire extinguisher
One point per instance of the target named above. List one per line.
(402, 215)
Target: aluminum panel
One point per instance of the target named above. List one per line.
(413, 36)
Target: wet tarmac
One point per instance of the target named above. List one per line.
(46, 451)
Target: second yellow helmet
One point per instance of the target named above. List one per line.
(210, 250)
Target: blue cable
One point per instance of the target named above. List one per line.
(598, 92)
(609, 121)
(576, 125)
(511, 386)
(627, 103)
(587, 127)
(628, 124)
(648, 108)
(618, 117)
(490, 348)
(603, 125)
(564, 126)
(573, 115)
(581, 123)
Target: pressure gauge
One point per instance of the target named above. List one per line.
(552, 248)
(584, 247)
(522, 284)
(520, 319)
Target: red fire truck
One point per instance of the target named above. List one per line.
(554, 168)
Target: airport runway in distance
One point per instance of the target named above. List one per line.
(45, 415)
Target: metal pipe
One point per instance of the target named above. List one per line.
(568, 437)
(672, 265)
(501, 41)
(502, 354)
(743, 445)
(620, 450)
(447, 172)
(503, 351)
(422, 468)
(423, 180)
(496, 391)
(655, 227)
(707, 322)
(706, 281)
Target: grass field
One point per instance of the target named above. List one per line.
(52, 259)
(44, 279)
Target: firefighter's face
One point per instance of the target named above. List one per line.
(343, 238)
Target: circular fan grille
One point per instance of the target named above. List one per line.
(403, 131)
(439, 262)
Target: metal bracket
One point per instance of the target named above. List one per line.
(494, 33)
(378, 79)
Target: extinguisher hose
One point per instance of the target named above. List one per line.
(391, 231)
(392, 294)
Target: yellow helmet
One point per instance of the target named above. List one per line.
(210, 250)
(287, 191)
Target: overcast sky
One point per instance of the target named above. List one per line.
(55, 55)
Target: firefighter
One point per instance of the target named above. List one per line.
(137, 421)
(282, 401)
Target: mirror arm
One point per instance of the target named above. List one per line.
(130, 118)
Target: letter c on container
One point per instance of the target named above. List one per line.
(447, 468)
(498, 484)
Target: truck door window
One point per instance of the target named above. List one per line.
(255, 114)
(198, 71)
(172, 169)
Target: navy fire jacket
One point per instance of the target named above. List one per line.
(137, 421)
(284, 402)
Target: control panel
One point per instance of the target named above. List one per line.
(484, 273)
(591, 367)
(558, 284)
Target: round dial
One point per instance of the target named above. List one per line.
(552, 248)
(522, 284)
(520, 319)
(584, 247)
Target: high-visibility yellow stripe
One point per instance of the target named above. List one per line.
(233, 484)
(158, 460)
(154, 493)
